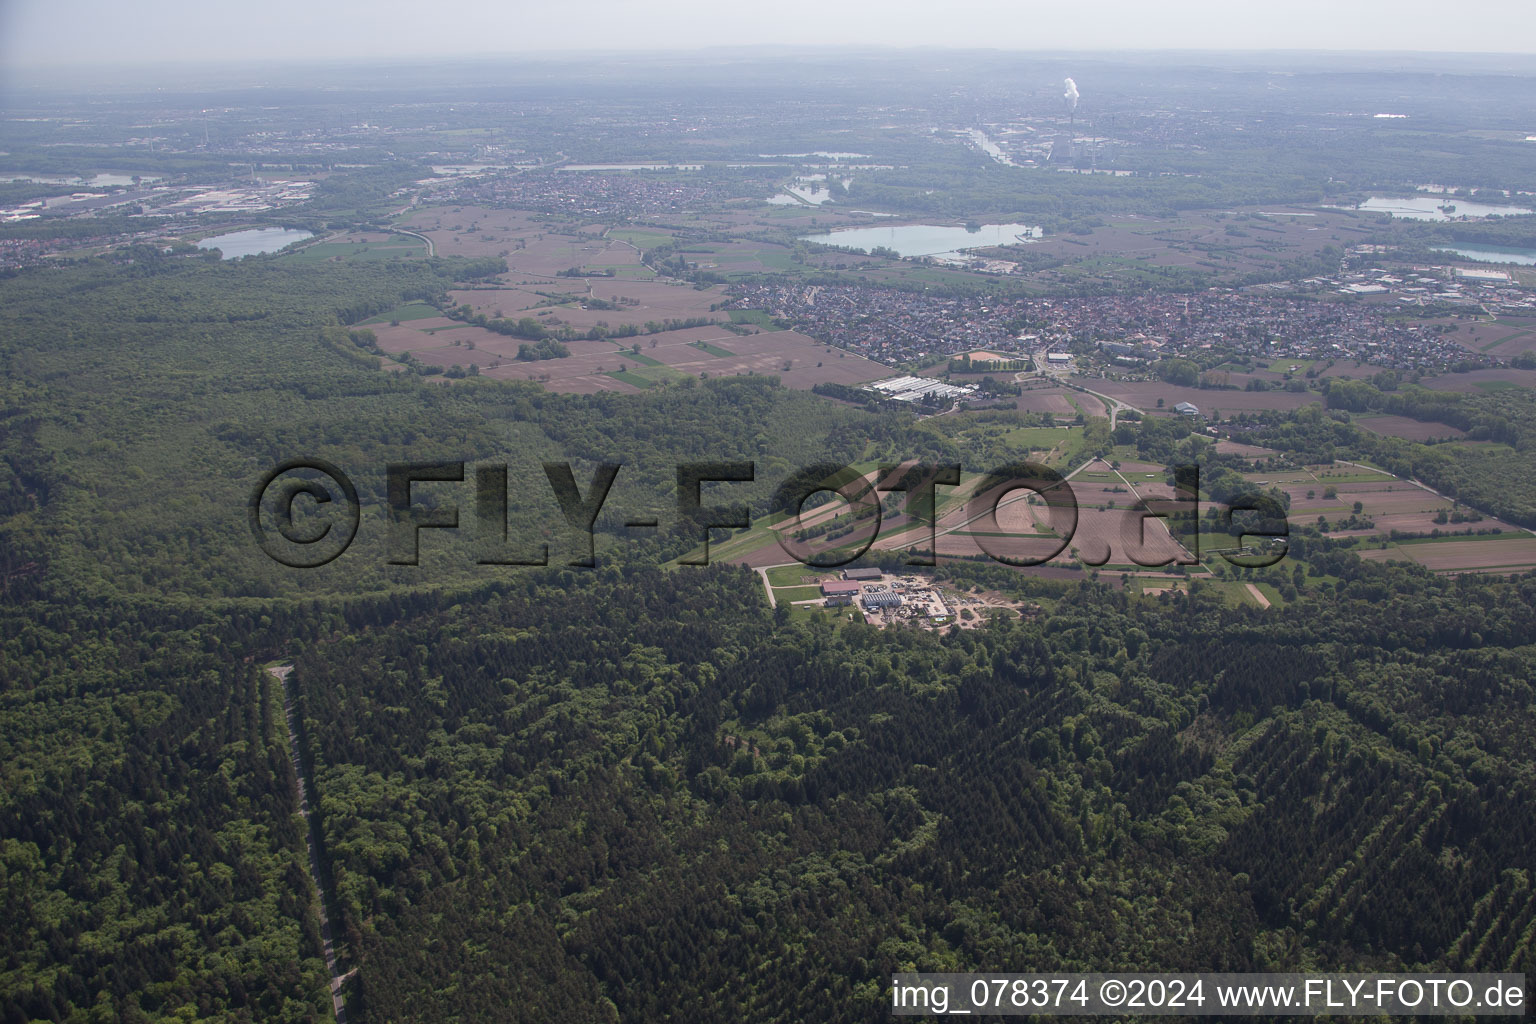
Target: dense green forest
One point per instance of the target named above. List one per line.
(633, 793)
(671, 805)
(135, 431)
(151, 862)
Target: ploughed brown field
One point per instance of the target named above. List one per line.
(797, 360)
(532, 246)
(1512, 554)
(1392, 504)
(1053, 401)
(1021, 526)
(1473, 381)
(537, 251)
(1408, 429)
(639, 301)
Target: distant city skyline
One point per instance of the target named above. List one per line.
(35, 35)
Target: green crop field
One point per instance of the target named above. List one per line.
(409, 311)
(783, 594)
(754, 316)
(640, 238)
(714, 350)
(637, 357)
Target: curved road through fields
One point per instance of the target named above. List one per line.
(1114, 405)
(431, 249)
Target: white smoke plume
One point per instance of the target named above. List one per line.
(1070, 95)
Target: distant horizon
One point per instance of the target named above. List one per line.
(37, 38)
(552, 54)
(326, 72)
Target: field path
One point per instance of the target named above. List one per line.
(280, 673)
(773, 602)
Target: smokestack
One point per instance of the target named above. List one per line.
(1070, 96)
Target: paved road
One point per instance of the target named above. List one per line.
(280, 673)
(431, 249)
(773, 602)
(1113, 405)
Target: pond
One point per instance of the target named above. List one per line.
(253, 241)
(1491, 254)
(94, 179)
(1429, 208)
(632, 167)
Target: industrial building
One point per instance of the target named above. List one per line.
(862, 574)
(1187, 409)
(880, 600)
(838, 588)
(915, 389)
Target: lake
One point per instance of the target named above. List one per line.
(99, 179)
(828, 154)
(806, 190)
(927, 239)
(1428, 208)
(632, 167)
(253, 241)
(1491, 254)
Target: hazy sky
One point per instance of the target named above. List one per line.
(42, 33)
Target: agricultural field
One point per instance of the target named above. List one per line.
(1056, 401)
(1500, 554)
(647, 376)
(476, 231)
(614, 365)
(568, 302)
(641, 238)
(416, 312)
(737, 258)
(1024, 527)
(1144, 395)
(1386, 504)
(1483, 380)
(360, 245)
(756, 317)
(533, 287)
(1406, 428)
(1505, 337)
